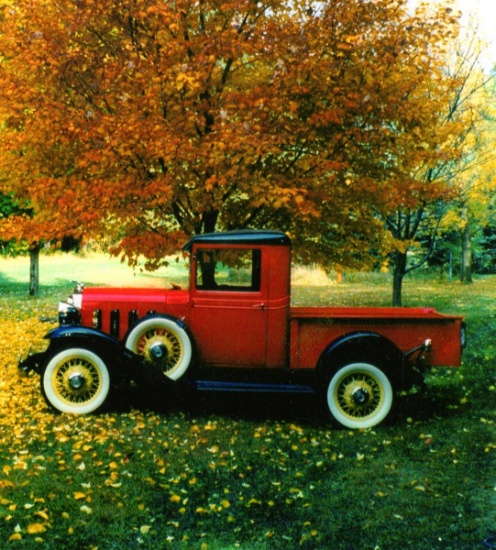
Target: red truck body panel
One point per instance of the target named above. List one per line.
(127, 300)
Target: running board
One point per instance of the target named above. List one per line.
(211, 385)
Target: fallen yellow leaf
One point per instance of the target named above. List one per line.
(36, 528)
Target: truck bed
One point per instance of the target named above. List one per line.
(312, 328)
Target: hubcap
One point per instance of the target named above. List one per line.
(77, 381)
(158, 351)
(360, 396)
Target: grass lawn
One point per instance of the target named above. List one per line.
(250, 473)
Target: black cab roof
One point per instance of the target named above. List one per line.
(244, 236)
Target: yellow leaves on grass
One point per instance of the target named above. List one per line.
(79, 471)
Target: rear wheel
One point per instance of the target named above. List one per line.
(359, 395)
(162, 343)
(75, 380)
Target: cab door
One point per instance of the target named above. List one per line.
(228, 307)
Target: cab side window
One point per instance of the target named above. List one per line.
(235, 270)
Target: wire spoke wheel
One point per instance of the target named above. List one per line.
(163, 343)
(161, 346)
(359, 395)
(76, 380)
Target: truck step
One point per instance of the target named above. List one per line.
(244, 387)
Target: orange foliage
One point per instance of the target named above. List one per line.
(151, 118)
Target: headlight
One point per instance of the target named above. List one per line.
(77, 300)
(68, 314)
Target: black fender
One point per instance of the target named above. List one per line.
(368, 347)
(78, 331)
(66, 336)
(111, 350)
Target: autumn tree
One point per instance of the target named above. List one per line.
(152, 120)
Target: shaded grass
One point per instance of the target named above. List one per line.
(223, 472)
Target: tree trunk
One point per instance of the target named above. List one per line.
(399, 269)
(466, 267)
(34, 269)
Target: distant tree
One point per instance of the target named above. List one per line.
(11, 244)
(11, 208)
(485, 250)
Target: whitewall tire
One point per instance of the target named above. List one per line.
(76, 380)
(359, 395)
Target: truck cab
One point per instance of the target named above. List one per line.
(240, 299)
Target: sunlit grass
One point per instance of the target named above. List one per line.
(91, 268)
(181, 471)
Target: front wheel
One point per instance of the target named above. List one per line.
(75, 380)
(359, 395)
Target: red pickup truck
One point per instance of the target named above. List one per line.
(234, 329)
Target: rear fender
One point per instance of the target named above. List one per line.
(368, 347)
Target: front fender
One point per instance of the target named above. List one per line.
(78, 336)
(96, 340)
(81, 333)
